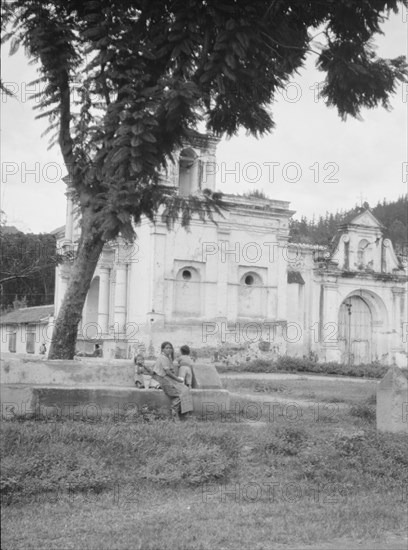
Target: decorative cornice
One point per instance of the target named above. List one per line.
(202, 141)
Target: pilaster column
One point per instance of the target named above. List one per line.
(397, 297)
(271, 256)
(120, 297)
(69, 220)
(224, 251)
(103, 302)
(158, 267)
(282, 258)
(328, 326)
(209, 170)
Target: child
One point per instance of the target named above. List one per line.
(185, 364)
(143, 375)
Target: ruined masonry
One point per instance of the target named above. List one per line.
(238, 283)
(392, 402)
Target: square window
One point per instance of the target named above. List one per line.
(30, 342)
(12, 342)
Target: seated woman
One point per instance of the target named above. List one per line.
(172, 385)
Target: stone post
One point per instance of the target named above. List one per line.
(392, 402)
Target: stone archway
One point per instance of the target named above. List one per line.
(355, 331)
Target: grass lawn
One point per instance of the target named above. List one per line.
(284, 480)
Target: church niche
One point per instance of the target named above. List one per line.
(251, 299)
(363, 253)
(188, 295)
(188, 172)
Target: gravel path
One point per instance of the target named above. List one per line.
(272, 398)
(288, 376)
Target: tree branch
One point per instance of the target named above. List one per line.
(65, 138)
(104, 86)
(13, 278)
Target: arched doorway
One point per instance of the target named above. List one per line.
(355, 331)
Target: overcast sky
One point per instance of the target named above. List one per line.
(312, 158)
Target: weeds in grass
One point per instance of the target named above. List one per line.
(360, 457)
(366, 410)
(286, 440)
(293, 479)
(308, 395)
(192, 458)
(323, 479)
(300, 365)
(262, 387)
(332, 399)
(371, 399)
(37, 456)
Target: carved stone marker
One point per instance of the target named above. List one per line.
(205, 377)
(392, 402)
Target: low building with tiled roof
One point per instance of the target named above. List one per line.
(26, 330)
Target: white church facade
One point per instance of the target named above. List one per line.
(241, 282)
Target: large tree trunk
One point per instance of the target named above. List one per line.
(66, 326)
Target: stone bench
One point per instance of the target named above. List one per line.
(93, 389)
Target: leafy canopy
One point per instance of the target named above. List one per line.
(27, 268)
(127, 82)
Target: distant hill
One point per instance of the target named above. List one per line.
(393, 215)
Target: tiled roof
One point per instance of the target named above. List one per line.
(27, 315)
(307, 246)
(58, 230)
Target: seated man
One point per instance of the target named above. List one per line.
(97, 351)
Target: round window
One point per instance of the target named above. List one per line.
(249, 280)
(186, 275)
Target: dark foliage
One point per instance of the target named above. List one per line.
(298, 364)
(27, 269)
